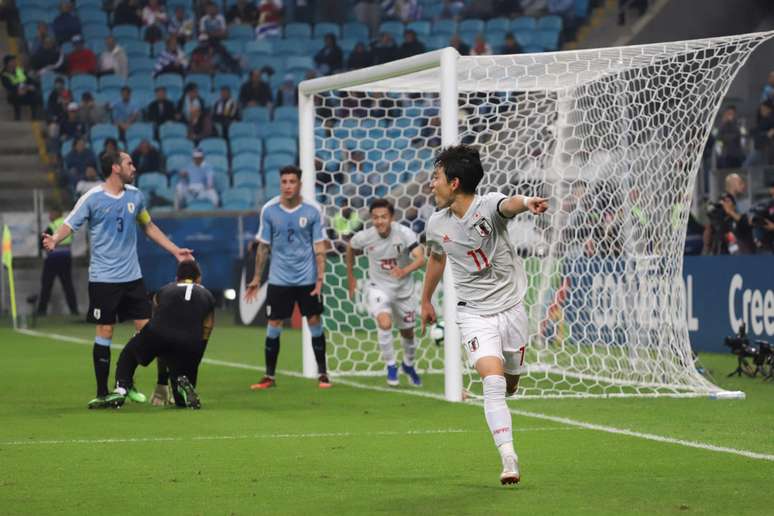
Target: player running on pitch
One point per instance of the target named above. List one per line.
(472, 231)
(113, 211)
(394, 253)
(291, 229)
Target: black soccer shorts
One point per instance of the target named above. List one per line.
(280, 301)
(109, 302)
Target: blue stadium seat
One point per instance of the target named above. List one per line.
(142, 65)
(247, 161)
(95, 31)
(298, 31)
(241, 32)
(283, 128)
(96, 45)
(235, 47)
(523, 23)
(151, 181)
(169, 130)
(218, 163)
(176, 162)
(582, 8)
(525, 38)
(255, 114)
(299, 62)
(233, 81)
(550, 22)
(471, 25)
(532, 49)
(103, 131)
(177, 146)
(498, 24)
(142, 96)
(244, 144)
(214, 146)
(347, 45)
(548, 39)
(138, 80)
(260, 46)
(241, 130)
(446, 27)
(168, 80)
(137, 49)
(286, 113)
(355, 30)
(126, 32)
(35, 15)
(199, 205)
(274, 162)
(421, 27)
(248, 179)
(221, 180)
(92, 17)
(395, 28)
(204, 82)
(323, 28)
(278, 144)
(295, 47)
(436, 41)
(140, 130)
(238, 198)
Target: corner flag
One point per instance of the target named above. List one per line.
(7, 261)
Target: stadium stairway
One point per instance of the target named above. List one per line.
(21, 151)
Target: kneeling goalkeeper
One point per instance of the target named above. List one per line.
(182, 321)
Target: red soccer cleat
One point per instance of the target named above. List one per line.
(324, 382)
(265, 383)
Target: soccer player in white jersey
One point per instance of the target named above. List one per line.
(394, 253)
(113, 211)
(472, 232)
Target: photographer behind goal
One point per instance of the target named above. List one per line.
(729, 232)
(762, 220)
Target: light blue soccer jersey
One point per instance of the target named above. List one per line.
(291, 235)
(112, 222)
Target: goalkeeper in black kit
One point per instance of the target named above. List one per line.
(182, 321)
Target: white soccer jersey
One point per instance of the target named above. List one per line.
(488, 275)
(384, 254)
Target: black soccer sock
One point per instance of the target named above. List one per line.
(126, 366)
(318, 346)
(162, 374)
(272, 353)
(101, 357)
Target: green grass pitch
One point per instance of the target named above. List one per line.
(353, 449)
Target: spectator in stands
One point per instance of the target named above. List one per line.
(66, 24)
(172, 59)
(242, 12)
(213, 24)
(181, 26)
(91, 112)
(768, 88)
(48, 57)
(189, 101)
(460, 46)
(89, 181)
(481, 47)
(203, 59)
(113, 59)
(384, 49)
(125, 112)
(20, 89)
(199, 124)
(41, 34)
(255, 92)
(109, 146)
(81, 59)
(146, 158)
(510, 45)
(451, 9)
(224, 111)
(160, 110)
(128, 12)
(730, 135)
(411, 45)
(197, 181)
(402, 10)
(369, 12)
(287, 93)
(76, 162)
(58, 99)
(154, 19)
(729, 231)
(269, 19)
(763, 220)
(763, 137)
(360, 57)
(329, 59)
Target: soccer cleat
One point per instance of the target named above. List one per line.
(136, 396)
(112, 400)
(324, 382)
(510, 474)
(161, 396)
(186, 390)
(416, 381)
(392, 375)
(265, 383)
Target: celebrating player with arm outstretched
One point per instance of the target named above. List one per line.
(471, 231)
(394, 253)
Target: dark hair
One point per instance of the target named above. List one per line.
(461, 162)
(126, 88)
(106, 162)
(381, 203)
(188, 270)
(290, 169)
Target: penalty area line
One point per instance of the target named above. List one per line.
(519, 412)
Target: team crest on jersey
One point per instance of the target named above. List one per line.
(130, 207)
(97, 312)
(302, 222)
(483, 227)
(473, 344)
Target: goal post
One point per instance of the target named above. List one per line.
(613, 137)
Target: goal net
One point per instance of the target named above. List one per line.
(613, 137)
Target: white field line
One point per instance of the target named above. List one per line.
(309, 435)
(519, 412)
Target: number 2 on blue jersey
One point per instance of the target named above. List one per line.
(120, 224)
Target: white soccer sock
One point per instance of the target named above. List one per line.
(385, 344)
(409, 350)
(497, 415)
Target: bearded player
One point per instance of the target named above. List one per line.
(394, 253)
(472, 232)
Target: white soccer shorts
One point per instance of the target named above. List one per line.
(498, 335)
(404, 311)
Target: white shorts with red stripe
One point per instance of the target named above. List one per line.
(503, 335)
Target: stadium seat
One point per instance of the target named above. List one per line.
(261, 47)
(200, 205)
(550, 23)
(214, 146)
(281, 144)
(126, 32)
(241, 130)
(176, 162)
(582, 9)
(111, 82)
(143, 96)
(532, 49)
(221, 180)
(151, 181)
(283, 128)
(421, 27)
(471, 25)
(245, 145)
(177, 146)
(235, 47)
(248, 161)
(169, 80)
(395, 28)
(525, 38)
(247, 179)
(204, 82)
(286, 113)
(295, 47)
(274, 162)
(523, 23)
(138, 80)
(272, 182)
(219, 163)
(233, 81)
(140, 130)
(137, 49)
(548, 39)
(355, 30)
(323, 28)
(143, 65)
(241, 32)
(446, 27)
(298, 31)
(169, 130)
(95, 31)
(302, 62)
(96, 45)
(255, 114)
(238, 198)
(83, 81)
(101, 131)
(498, 24)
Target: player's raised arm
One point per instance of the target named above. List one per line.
(512, 206)
(433, 275)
